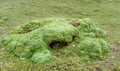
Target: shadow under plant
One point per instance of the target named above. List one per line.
(36, 39)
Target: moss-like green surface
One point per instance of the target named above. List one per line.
(33, 40)
(105, 14)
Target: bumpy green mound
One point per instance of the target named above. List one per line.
(34, 39)
(41, 56)
(93, 48)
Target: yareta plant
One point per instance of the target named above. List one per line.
(35, 39)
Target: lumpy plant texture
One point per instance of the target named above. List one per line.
(35, 39)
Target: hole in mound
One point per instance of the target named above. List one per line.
(74, 38)
(58, 44)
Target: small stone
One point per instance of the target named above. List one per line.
(73, 45)
(113, 57)
(3, 49)
(54, 68)
(1, 63)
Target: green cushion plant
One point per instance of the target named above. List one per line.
(33, 40)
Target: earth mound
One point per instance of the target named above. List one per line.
(36, 39)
